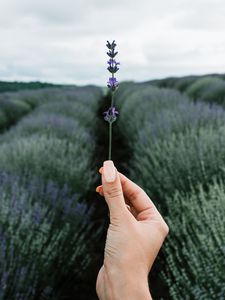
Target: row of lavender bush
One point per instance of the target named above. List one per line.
(14, 106)
(207, 88)
(11, 110)
(195, 251)
(177, 158)
(46, 169)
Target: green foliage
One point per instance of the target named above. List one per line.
(39, 97)
(177, 157)
(174, 82)
(88, 95)
(49, 158)
(35, 98)
(3, 120)
(150, 113)
(51, 125)
(176, 145)
(175, 142)
(13, 110)
(182, 83)
(16, 86)
(209, 89)
(195, 247)
(77, 110)
(42, 229)
(183, 160)
(55, 142)
(139, 106)
(126, 87)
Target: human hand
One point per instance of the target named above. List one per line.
(134, 238)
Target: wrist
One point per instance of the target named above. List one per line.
(126, 286)
(131, 291)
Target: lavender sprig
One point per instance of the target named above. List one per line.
(111, 114)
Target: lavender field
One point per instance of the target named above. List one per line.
(169, 139)
(47, 167)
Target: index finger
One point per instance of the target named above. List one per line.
(135, 194)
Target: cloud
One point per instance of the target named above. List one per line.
(205, 15)
(64, 41)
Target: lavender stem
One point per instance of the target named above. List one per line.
(110, 128)
(112, 98)
(110, 140)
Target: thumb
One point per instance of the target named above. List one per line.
(113, 192)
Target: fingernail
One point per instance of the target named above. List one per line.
(100, 170)
(109, 171)
(98, 188)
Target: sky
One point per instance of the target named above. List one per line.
(65, 41)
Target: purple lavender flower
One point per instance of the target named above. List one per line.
(3, 282)
(112, 62)
(111, 46)
(111, 114)
(113, 65)
(112, 83)
(111, 53)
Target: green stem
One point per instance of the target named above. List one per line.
(110, 140)
(110, 129)
(112, 98)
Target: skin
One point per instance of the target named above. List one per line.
(135, 235)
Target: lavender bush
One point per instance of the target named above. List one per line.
(66, 103)
(3, 120)
(51, 125)
(183, 83)
(184, 160)
(187, 115)
(12, 110)
(49, 158)
(87, 95)
(73, 109)
(45, 234)
(52, 145)
(195, 248)
(210, 89)
(54, 142)
(176, 147)
(150, 113)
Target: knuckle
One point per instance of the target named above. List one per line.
(164, 228)
(113, 192)
(136, 193)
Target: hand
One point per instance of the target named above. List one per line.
(134, 238)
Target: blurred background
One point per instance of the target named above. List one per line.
(169, 138)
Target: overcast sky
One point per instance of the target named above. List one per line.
(64, 41)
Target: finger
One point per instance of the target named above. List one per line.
(99, 190)
(131, 209)
(113, 192)
(135, 194)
